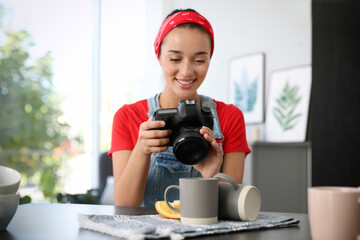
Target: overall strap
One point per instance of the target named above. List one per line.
(153, 104)
(208, 102)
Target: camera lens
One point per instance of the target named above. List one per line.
(190, 147)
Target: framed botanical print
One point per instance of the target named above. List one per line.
(246, 75)
(288, 105)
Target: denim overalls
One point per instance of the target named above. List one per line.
(165, 170)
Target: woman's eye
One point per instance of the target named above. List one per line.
(199, 61)
(174, 59)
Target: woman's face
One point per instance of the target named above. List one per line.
(185, 59)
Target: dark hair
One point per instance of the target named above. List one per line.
(188, 25)
(180, 10)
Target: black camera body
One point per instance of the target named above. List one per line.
(185, 122)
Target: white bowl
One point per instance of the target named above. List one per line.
(8, 206)
(9, 180)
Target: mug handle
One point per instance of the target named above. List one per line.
(166, 199)
(227, 178)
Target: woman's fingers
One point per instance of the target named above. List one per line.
(155, 134)
(155, 149)
(151, 139)
(210, 137)
(150, 124)
(154, 144)
(150, 129)
(157, 142)
(208, 134)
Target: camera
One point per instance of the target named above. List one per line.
(185, 122)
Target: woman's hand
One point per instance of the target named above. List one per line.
(213, 161)
(151, 140)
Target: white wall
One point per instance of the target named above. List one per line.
(281, 29)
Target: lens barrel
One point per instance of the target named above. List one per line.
(190, 147)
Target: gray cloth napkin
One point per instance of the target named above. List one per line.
(156, 226)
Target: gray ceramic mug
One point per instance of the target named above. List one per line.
(198, 200)
(237, 201)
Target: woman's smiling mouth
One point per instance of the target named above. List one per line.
(185, 84)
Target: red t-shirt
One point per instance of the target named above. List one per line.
(128, 118)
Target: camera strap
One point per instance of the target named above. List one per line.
(208, 102)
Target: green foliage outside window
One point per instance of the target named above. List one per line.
(31, 136)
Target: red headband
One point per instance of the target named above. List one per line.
(177, 19)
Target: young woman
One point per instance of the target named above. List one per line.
(143, 162)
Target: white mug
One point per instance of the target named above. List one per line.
(237, 201)
(9, 180)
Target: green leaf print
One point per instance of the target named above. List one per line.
(287, 102)
(245, 96)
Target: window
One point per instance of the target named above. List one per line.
(48, 135)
